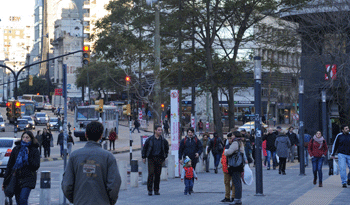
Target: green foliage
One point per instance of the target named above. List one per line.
(39, 86)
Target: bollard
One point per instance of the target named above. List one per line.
(123, 171)
(144, 168)
(199, 166)
(164, 174)
(45, 188)
(211, 162)
(171, 167)
(134, 174)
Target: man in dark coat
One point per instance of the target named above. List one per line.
(47, 137)
(294, 141)
(190, 146)
(156, 149)
(270, 138)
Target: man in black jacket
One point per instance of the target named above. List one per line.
(270, 138)
(156, 149)
(294, 141)
(190, 146)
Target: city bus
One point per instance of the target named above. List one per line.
(38, 99)
(85, 114)
(27, 109)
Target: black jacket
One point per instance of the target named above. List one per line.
(147, 148)
(270, 141)
(26, 176)
(218, 147)
(190, 148)
(293, 138)
(46, 139)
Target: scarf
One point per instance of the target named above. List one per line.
(22, 157)
(319, 140)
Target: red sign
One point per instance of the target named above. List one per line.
(58, 91)
(332, 70)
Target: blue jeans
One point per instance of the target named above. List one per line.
(188, 185)
(22, 196)
(61, 150)
(274, 160)
(317, 167)
(343, 160)
(306, 157)
(217, 158)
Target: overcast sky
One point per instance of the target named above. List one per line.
(22, 8)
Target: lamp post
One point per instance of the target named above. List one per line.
(324, 117)
(301, 127)
(258, 141)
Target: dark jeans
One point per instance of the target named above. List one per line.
(47, 151)
(236, 180)
(206, 161)
(317, 167)
(188, 185)
(217, 158)
(61, 150)
(110, 144)
(22, 196)
(282, 165)
(136, 128)
(40, 147)
(154, 172)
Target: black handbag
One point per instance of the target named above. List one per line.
(236, 160)
(11, 187)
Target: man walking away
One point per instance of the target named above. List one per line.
(156, 150)
(342, 146)
(270, 138)
(92, 175)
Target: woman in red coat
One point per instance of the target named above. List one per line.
(317, 149)
(112, 137)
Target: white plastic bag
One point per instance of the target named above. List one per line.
(335, 168)
(277, 158)
(247, 175)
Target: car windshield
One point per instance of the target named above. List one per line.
(41, 115)
(6, 143)
(53, 120)
(22, 121)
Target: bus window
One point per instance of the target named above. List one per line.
(86, 113)
(39, 98)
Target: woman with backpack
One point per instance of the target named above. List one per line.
(317, 149)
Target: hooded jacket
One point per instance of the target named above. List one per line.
(26, 176)
(282, 144)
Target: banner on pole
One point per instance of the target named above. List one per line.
(175, 126)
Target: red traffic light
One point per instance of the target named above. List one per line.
(86, 48)
(8, 104)
(127, 78)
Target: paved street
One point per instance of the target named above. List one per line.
(209, 189)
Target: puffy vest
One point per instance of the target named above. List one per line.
(188, 172)
(224, 162)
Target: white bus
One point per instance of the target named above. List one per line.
(39, 100)
(85, 114)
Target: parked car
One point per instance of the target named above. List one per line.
(2, 124)
(250, 125)
(53, 123)
(6, 146)
(30, 121)
(47, 106)
(41, 118)
(23, 124)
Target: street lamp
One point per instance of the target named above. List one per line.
(301, 127)
(324, 115)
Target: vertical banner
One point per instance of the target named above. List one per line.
(175, 126)
(140, 114)
(193, 123)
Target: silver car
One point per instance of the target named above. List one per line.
(6, 146)
(41, 118)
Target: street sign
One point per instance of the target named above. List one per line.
(58, 91)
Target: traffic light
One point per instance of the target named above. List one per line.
(127, 109)
(162, 106)
(30, 80)
(99, 108)
(86, 55)
(17, 109)
(127, 79)
(9, 110)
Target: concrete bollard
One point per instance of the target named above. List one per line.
(164, 174)
(211, 162)
(123, 171)
(171, 167)
(45, 188)
(134, 174)
(144, 168)
(199, 166)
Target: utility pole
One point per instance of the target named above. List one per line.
(301, 127)
(65, 133)
(157, 89)
(258, 133)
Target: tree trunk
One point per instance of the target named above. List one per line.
(231, 108)
(216, 111)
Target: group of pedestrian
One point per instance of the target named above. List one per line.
(45, 140)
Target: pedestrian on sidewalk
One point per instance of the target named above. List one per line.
(70, 143)
(282, 145)
(216, 147)
(229, 186)
(156, 150)
(112, 137)
(92, 175)
(342, 146)
(25, 161)
(47, 138)
(318, 150)
(270, 138)
(200, 126)
(190, 146)
(39, 138)
(166, 128)
(60, 140)
(263, 145)
(137, 125)
(236, 144)
(189, 174)
(205, 144)
(294, 142)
